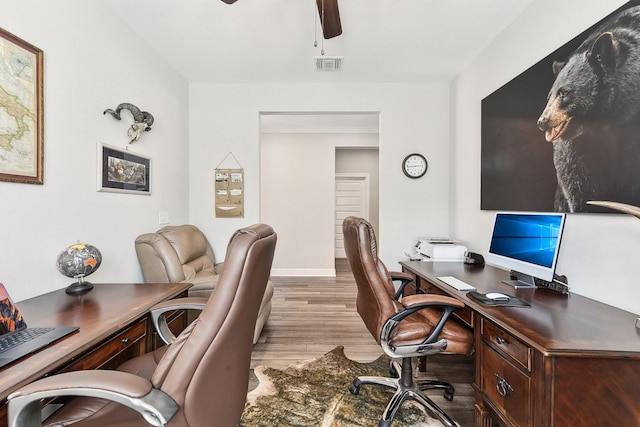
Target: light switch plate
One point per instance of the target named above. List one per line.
(163, 218)
(638, 323)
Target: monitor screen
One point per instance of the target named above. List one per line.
(527, 243)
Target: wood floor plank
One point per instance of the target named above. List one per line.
(310, 316)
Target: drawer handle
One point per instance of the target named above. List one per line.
(126, 340)
(502, 386)
(501, 340)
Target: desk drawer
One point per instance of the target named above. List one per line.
(506, 388)
(127, 344)
(506, 343)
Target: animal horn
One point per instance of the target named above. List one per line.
(622, 207)
(135, 111)
(115, 114)
(142, 120)
(148, 119)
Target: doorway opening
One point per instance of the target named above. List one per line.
(357, 186)
(300, 155)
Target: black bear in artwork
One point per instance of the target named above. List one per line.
(592, 117)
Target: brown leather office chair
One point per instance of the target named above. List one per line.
(415, 325)
(182, 253)
(200, 380)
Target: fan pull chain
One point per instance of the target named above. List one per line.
(315, 21)
(315, 34)
(322, 22)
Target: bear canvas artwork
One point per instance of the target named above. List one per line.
(567, 130)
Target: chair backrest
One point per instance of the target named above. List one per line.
(206, 370)
(174, 254)
(375, 300)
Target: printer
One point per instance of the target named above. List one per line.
(441, 249)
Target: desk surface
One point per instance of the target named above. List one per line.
(104, 311)
(554, 324)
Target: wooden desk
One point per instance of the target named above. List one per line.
(565, 361)
(113, 328)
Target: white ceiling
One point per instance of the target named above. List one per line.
(272, 40)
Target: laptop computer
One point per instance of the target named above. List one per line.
(17, 340)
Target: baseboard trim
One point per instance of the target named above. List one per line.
(304, 272)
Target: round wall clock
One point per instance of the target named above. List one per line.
(415, 165)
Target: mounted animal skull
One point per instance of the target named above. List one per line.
(142, 120)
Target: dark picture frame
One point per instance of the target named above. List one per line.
(22, 142)
(121, 171)
(523, 165)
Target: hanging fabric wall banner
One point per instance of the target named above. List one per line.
(229, 191)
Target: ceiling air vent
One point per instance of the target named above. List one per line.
(328, 63)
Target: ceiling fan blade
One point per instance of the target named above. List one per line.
(331, 26)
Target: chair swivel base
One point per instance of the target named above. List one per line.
(395, 371)
(405, 389)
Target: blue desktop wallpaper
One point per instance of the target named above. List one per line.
(529, 238)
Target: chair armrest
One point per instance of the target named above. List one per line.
(127, 389)
(430, 300)
(413, 304)
(159, 311)
(403, 278)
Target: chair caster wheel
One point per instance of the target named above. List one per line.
(354, 389)
(448, 394)
(384, 423)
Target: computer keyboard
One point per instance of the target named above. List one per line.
(19, 337)
(456, 283)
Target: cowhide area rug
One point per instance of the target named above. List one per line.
(316, 393)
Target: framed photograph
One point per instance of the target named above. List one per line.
(21, 109)
(566, 131)
(122, 171)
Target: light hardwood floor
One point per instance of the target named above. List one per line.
(311, 316)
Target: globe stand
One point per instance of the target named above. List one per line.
(78, 261)
(79, 287)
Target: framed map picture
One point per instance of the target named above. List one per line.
(21, 109)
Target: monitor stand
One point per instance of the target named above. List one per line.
(521, 281)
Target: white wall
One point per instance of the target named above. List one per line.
(297, 186)
(413, 117)
(297, 197)
(92, 61)
(599, 252)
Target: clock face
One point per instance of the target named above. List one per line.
(414, 165)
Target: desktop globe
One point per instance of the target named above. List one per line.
(79, 261)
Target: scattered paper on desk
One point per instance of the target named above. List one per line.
(415, 257)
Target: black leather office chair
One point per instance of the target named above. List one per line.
(415, 325)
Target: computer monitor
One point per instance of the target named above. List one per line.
(528, 244)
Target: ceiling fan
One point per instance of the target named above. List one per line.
(329, 17)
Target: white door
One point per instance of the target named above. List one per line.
(352, 198)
